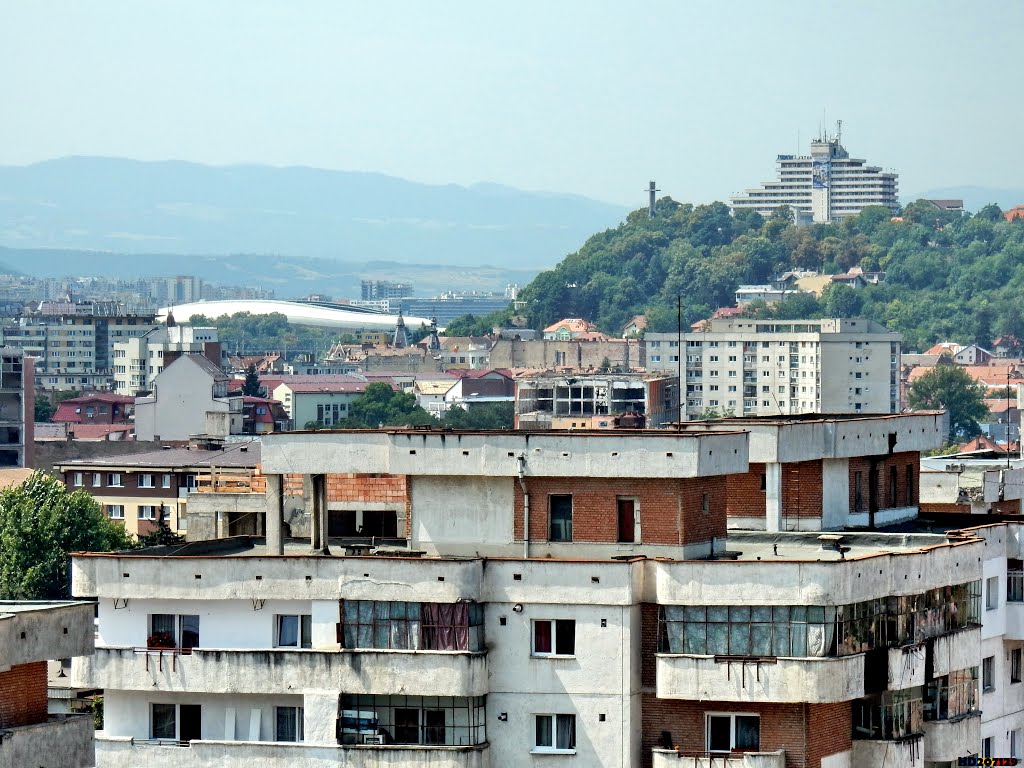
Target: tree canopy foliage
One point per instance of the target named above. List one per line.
(380, 405)
(952, 388)
(948, 275)
(250, 334)
(40, 524)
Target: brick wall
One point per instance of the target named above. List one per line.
(23, 695)
(744, 497)
(371, 488)
(801, 489)
(899, 461)
(670, 510)
(807, 732)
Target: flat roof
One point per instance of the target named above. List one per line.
(803, 418)
(798, 546)
(509, 432)
(237, 455)
(10, 607)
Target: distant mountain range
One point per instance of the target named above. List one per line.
(162, 208)
(974, 198)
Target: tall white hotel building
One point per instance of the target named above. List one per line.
(824, 186)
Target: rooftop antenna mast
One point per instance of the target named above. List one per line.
(839, 131)
(651, 190)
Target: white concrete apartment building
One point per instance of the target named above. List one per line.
(31, 635)
(564, 597)
(745, 367)
(138, 360)
(824, 186)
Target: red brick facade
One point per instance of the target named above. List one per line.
(670, 510)
(900, 462)
(746, 497)
(23, 695)
(370, 488)
(807, 732)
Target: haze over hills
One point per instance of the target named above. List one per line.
(119, 205)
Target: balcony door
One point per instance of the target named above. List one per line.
(626, 513)
(190, 725)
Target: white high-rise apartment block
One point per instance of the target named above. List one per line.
(824, 186)
(140, 359)
(746, 367)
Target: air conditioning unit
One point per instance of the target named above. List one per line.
(374, 738)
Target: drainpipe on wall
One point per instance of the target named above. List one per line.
(521, 458)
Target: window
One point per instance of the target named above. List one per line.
(97, 479)
(991, 593)
(78, 480)
(560, 518)
(169, 630)
(395, 625)
(176, 722)
(147, 512)
(858, 492)
(892, 487)
(1015, 664)
(288, 724)
(986, 747)
(705, 503)
(988, 674)
(1015, 743)
(115, 511)
(440, 720)
(655, 358)
(146, 481)
(910, 484)
(554, 637)
(165, 481)
(733, 733)
(555, 733)
(294, 631)
(114, 480)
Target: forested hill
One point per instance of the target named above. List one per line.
(948, 275)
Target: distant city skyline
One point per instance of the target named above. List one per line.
(585, 98)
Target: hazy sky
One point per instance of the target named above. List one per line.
(589, 97)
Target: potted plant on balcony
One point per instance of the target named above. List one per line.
(159, 640)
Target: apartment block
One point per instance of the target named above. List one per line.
(31, 634)
(569, 596)
(138, 360)
(742, 367)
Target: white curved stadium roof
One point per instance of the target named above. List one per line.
(297, 312)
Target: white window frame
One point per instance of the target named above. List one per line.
(146, 480)
(304, 630)
(991, 593)
(78, 479)
(152, 514)
(97, 479)
(165, 481)
(988, 674)
(115, 511)
(552, 749)
(732, 729)
(554, 639)
(111, 476)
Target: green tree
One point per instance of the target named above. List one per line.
(251, 387)
(951, 388)
(44, 409)
(482, 416)
(381, 405)
(41, 522)
(163, 535)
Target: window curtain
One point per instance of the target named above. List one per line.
(565, 731)
(542, 636)
(445, 626)
(288, 631)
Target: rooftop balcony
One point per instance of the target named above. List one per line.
(284, 671)
(114, 752)
(670, 758)
(70, 736)
(769, 680)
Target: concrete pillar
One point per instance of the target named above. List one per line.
(274, 514)
(773, 497)
(835, 493)
(309, 502)
(320, 487)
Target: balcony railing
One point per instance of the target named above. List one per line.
(672, 758)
